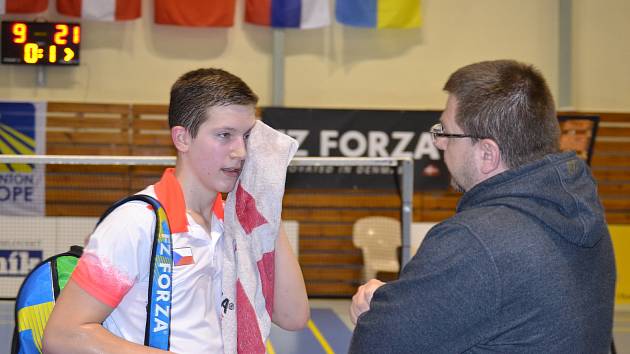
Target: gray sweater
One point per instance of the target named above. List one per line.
(525, 266)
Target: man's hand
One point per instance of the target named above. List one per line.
(361, 300)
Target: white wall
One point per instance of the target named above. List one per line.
(601, 54)
(137, 61)
(53, 235)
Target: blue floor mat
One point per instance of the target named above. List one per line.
(325, 333)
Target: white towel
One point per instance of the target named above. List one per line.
(252, 222)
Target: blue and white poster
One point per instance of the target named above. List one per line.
(22, 132)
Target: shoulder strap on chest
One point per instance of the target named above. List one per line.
(158, 326)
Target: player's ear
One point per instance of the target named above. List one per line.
(181, 138)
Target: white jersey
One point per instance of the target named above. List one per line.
(115, 270)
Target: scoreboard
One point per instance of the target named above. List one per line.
(40, 43)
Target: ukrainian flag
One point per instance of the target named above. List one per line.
(379, 13)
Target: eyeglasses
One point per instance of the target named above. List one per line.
(437, 131)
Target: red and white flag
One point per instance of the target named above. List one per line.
(195, 13)
(183, 256)
(22, 6)
(101, 10)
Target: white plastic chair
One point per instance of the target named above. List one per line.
(418, 231)
(379, 238)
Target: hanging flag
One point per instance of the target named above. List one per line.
(195, 13)
(22, 6)
(288, 13)
(379, 13)
(101, 10)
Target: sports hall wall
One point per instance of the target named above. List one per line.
(132, 64)
(346, 67)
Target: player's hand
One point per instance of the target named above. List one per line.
(361, 300)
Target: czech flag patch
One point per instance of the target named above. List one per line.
(183, 256)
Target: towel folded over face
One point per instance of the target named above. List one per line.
(252, 222)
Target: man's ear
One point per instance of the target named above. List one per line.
(490, 157)
(181, 138)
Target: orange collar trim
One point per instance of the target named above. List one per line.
(169, 193)
(217, 208)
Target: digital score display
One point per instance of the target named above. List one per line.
(40, 43)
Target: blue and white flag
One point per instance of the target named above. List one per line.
(302, 14)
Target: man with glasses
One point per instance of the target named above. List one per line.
(526, 264)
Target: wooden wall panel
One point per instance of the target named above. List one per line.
(611, 164)
(330, 262)
(150, 131)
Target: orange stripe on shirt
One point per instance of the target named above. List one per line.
(218, 207)
(170, 195)
(101, 280)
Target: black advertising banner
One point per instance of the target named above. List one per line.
(360, 133)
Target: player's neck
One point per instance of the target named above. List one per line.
(198, 201)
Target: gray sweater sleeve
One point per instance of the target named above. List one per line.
(443, 302)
